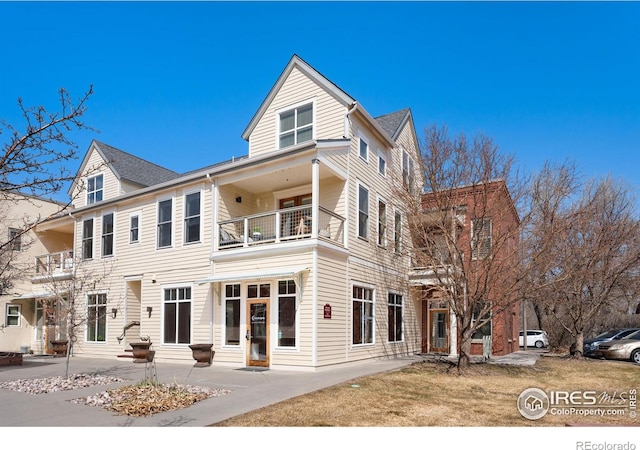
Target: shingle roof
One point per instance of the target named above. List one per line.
(134, 169)
(392, 122)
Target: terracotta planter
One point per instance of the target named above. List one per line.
(202, 353)
(59, 347)
(140, 351)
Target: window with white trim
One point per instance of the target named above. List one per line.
(96, 317)
(363, 212)
(286, 313)
(394, 312)
(87, 239)
(382, 223)
(134, 228)
(295, 125)
(481, 237)
(397, 232)
(15, 239)
(382, 166)
(176, 304)
(165, 213)
(107, 235)
(484, 329)
(94, 189)
(192, 217)
(362, 315)
(232, 314)
(364, 149)
(13, 313)
(407, 171)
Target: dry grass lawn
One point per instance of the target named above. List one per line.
(433, 394)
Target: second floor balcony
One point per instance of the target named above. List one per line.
(282, 225)
(57, 265)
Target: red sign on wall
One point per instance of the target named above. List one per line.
(327, 311)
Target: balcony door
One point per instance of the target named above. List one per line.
(297, 222)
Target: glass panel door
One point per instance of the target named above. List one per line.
(258, 333)
(439, 331)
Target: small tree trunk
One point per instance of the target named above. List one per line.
(579, 345)
(464, 358)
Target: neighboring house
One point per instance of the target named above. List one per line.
(21, 325)
(294, 256)
(485, 224)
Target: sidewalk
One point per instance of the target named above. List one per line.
(250, 390)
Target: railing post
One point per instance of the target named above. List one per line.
(315, 194)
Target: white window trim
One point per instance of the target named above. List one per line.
(410, 175)
(106, 326)
(106, 213)
(163, 288)
(6, 315)
(403, 306)
(373, 308)
(368, 229)
(397, 248)
(87, 178)
(287, 108)
(137, 214)
(362, 139)
(173, 221)
(276, 311)
(93, 237)
(199, 190)
(381, 157)
(223, 324)
(385, 244)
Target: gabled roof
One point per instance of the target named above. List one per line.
(133, 169)
(392, 123)
(300, 64)
(329, 86)
(127, 167)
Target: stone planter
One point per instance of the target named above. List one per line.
(59, 347)
(203, 354)
(10, 359)
(140, 351)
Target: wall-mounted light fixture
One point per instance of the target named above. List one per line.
(114, 312)
(149, 309)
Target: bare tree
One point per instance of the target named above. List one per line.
(33, 162)
(466, 230)
(591, 237)
(79, 305)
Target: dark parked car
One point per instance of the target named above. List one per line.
(625, 349)
(590, 345)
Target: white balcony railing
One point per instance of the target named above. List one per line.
(279, 226)
(54, 263)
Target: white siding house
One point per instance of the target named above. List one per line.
(286, 258)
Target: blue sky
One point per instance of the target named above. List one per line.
(177, 83)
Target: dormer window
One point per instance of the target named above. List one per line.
(94, 189)
(296, 125)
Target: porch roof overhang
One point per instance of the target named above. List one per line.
(254, 275)
(34, 295)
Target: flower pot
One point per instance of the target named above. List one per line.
(140, 351)
(59, 347)
(202, 353)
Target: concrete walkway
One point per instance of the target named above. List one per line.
(250, 390)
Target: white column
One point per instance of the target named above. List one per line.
(315, 194)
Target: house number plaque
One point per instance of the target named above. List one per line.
(327, 311)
